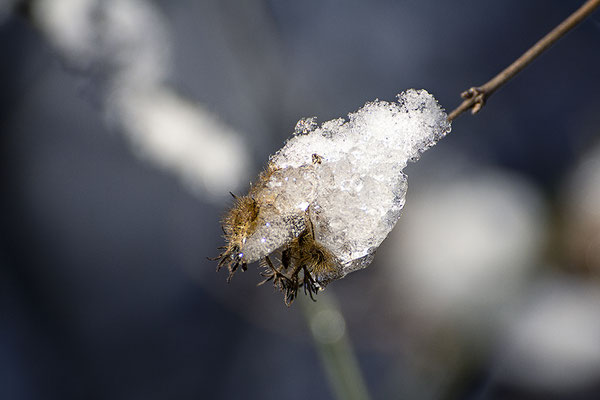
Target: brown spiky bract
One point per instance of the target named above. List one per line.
(239, 223)
(304, 262)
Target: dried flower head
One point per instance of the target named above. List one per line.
(331, 195)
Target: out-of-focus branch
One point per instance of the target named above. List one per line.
(475, 97)
(328, 329)
(124, 47)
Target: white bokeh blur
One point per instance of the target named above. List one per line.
(581, 203)
(469, 255)
(129, 41)
(553, 339)
(465, 245)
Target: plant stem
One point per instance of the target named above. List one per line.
(328, 328)
(476, 97)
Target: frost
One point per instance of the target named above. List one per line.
(347, 177)
(306, 125)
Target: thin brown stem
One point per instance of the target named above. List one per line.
(475, 97)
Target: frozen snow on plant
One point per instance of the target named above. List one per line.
(359, 188)
(342, 182)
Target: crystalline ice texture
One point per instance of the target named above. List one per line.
(347, 176)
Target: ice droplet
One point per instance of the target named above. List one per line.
(305, 125)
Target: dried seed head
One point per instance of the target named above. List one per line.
(332, 194)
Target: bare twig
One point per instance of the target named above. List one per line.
(475, 97)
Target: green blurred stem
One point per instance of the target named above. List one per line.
(328, 329)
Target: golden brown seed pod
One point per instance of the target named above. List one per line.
(304, 264)
(241, 220)
(237, 225)
(315, 258)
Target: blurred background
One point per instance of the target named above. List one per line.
(125, 123)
